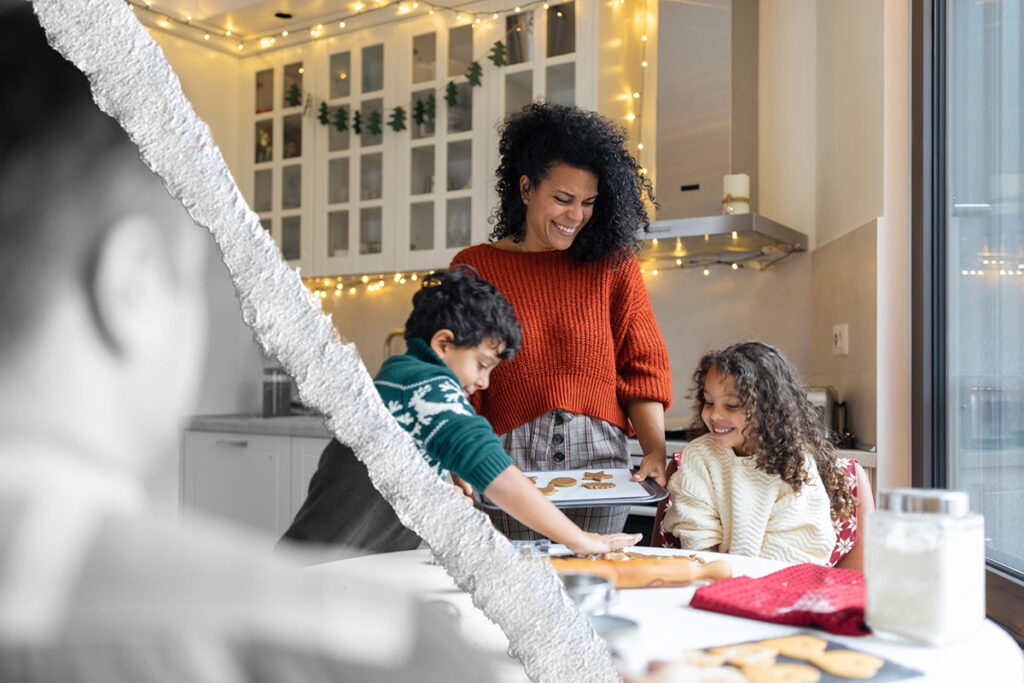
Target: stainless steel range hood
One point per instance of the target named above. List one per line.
(746, 240)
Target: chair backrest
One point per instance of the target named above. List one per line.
(846, 530)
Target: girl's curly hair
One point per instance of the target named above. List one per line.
(781, 422)
(542, 135)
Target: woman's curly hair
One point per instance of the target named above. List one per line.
(542, 135)
(781, 422)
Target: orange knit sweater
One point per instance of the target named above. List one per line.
(590, 340)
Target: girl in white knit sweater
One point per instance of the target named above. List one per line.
(764, 481)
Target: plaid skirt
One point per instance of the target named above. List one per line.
(560, 440)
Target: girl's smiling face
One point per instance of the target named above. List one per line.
(724, 414)
(558, 207)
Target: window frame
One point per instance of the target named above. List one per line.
(928, 157)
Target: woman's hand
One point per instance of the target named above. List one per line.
(653, 465)
(595, 544)
(648, 420)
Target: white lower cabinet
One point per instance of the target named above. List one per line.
(255, 479)
(305, 457)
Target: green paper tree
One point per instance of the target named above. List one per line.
(431, 107)
(419, 112)
(474, 74)
(341, 119)
(357, 123)
(322, 115)
(499, 54)
(373, 122)
(293, 97)
(397, 120)
(451, 94)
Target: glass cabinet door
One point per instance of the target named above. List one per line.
(354, 156)
(279, 165)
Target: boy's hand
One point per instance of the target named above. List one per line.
(595, 544)
(464, 489)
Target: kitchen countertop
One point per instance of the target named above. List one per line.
(313, 426)
(288, 425)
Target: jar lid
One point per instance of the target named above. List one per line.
(935, 501)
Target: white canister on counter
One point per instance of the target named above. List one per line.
(924, 566)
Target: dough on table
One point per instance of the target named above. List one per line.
(848, 663)
(798, 646)
(782, 673)
(746, 655)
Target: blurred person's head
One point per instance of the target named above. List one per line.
(101, 271)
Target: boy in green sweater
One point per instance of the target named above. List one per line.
(460, 329)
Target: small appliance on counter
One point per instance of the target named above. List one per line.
(277, 392)
(834, 415)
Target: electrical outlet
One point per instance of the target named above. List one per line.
(841, 340)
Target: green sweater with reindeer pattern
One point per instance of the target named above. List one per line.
(425, 397)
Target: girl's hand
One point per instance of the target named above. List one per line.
(595, 544)
(653, 465)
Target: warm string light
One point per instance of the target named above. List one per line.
(342, 287)
(995, 266)
(319, 30)
(638, 102)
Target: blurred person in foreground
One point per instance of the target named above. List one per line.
(101, 348)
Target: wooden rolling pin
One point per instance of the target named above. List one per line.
(646, 571)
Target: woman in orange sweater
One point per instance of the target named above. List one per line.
(593, 364)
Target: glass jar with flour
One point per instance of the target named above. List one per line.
(924, 566)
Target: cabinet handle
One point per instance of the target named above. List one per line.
(232, 443)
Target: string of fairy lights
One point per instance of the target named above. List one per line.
(402, 10)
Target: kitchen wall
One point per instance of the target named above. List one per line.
(834, 143)
(843, 282)
(698, 313)
(234, 364)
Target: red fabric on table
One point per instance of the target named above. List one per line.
(801, 595)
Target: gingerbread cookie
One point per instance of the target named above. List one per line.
(598, 485)
(782, 673)
(799, 646)
(533, 478)
(562, 481)
(548, 490)
(747, 655)
(597, 476)
(848, 663)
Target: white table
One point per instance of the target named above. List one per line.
(668, 625)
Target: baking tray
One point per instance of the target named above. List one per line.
(890, 670)
(626, 491)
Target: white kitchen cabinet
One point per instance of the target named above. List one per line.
(305, 453)
(409, 200)
(242, 477)
(259, 480)
(278, 163)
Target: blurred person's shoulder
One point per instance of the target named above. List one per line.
(152, 589)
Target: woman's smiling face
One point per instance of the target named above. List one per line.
(558, 207)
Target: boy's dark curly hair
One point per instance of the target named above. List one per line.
(542, 135)
(781, 422)
(458, 300)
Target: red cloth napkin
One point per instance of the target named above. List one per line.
(802, 595)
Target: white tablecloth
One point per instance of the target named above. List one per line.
(667, 625)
